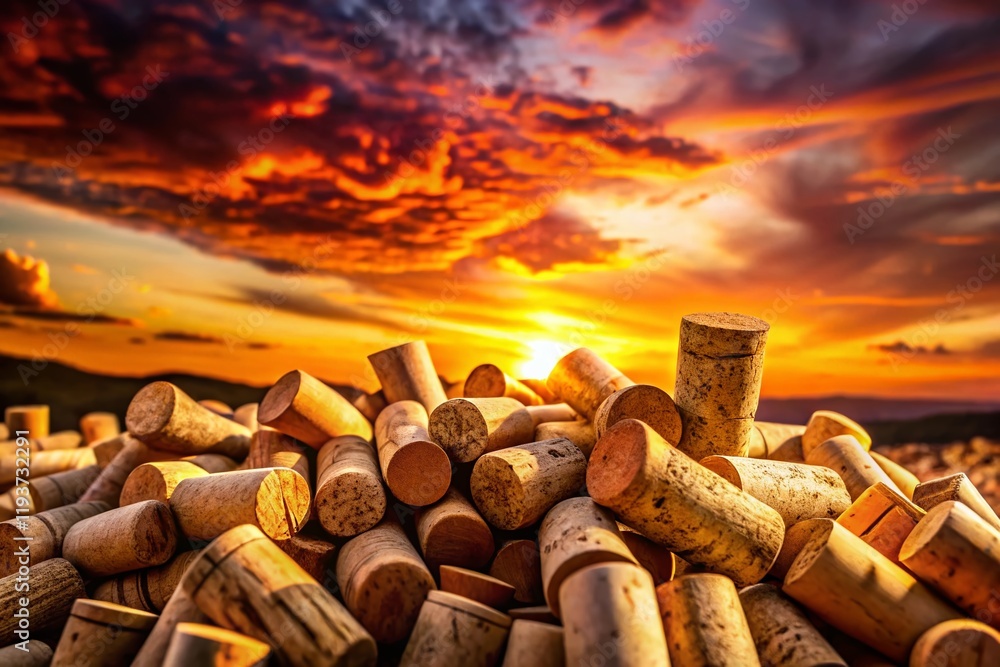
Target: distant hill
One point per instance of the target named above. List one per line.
(866, 409)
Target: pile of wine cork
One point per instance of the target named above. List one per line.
(582, 519)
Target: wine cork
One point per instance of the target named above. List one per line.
(212, 462)
(555, 412)
(956, 487)
(370, 405)
(157, 481)
(313, 554)
(123, 539)
(854, 588)
(958, 554)
(660, 563)
(452, 630)
(148, 589)
(275, 500)
(38, 654)
(106, 450)
(415, 469)
(882, 518)
(451, 532)
(467, 428)
(959, 643)
(43, 534)
(179, 609)
(518, 563)
(826, 424)
(845, 456)
(580, 433)
(62, 488)
(303, 407)
(574, 534)
(97, 426)
(273, 449)
(101, 634)
(207, 645)
(534, 644)
(769, 440)
(164, 417)
(243, 582)
(720, 363)
(30, 421)
(905, 480)
(514, 487)
(383, 581)
(795, 490)
(54, 585)
(350, 498)
(246, 416)
(473, 585)
(610, 611)
(407, 373)
(659, 491)
(540, 614)
(584, 380)
(108, 486)
(781, 632)
(650, 405)
(704, 623)
(796, 537)
(488, 381)
(218, 407)
(44, 463)
(540, 387)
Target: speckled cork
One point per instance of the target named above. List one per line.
(489, 381)
(123, 539)
(47, 530)
(782, 633)
(350, 497)
(451, 532)
(303, 407)
(453, 630)
(583, 380)
(416, 469)
(467, 428)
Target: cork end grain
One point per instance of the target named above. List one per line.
(644, 402)
(279, 398)
(819, 534)
(618, 458)
(353, 505)
(154, 533)
(460, 428)
(928, 527)
(485, 381)
(498, 493)
(723, 334)
(282, 506)
(9, 542)
(151, 409)
(724, 469)
(419, 473)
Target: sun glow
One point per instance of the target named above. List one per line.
(544, 355)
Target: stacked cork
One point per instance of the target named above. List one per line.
(582, 519)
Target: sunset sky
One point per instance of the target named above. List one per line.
(507, 180)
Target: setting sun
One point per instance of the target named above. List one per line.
(544, 355)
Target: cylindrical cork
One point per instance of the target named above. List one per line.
(38, 654)
(452, 630)
(44, 463)
(795, 490)
(101, 634)
(30, 421)
(407, 373)
(769, 440)
(106, 450)
(467, 428)
(860, 592)
(350, 498)
(905, 480)
(796, 537)
(518, 562)
(123, 539)
(62, 488)
(218, 407)
(54, 586)
(610, 610)
(644, 402)
(451, 532)
(957, 553)
(882, 518)
(275, 500)
(583, 380)
(212, 462)
(482, 588)
(383, 581)
(555, 412)
(845, 456)
(148, 589)
(370, 405)
(164, 417)
(303, 407)
(245, 583)
(534, 644)
(783, 635)
(958, 643)
(97, 426)
(956, 487)
(574, 534)
(108, 486)
(197, 644)
(316, 556)
(515, 487)
(157, 481)
(540, 614)
(704, 622)
(579, 432)
(826, 424)
(540, 387)
(273, 449)
(655, 488)
(246, 415)
(653, 558)
(43, 533)
(179, 609)
(488, 381)
(414, 467)
(720, 363)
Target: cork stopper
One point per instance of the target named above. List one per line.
(723, 334)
